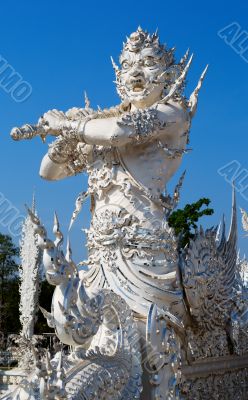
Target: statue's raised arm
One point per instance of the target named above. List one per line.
(153, 110)
(129, 152)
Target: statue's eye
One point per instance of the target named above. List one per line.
(125, 65)
(149, 62)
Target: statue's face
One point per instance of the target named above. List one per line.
(141, 79)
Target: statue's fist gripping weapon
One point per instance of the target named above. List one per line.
(52, 123)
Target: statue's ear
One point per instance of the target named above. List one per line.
(172, 73)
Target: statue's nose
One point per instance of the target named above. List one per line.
(136, 70)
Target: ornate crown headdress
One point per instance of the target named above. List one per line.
(176, 72)
(142, 39)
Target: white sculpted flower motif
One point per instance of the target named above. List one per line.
(101, 171)
(108, 226)
(100, 179)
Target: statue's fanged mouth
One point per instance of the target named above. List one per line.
(138, 88)
(137, 85)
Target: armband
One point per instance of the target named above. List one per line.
(144, 123)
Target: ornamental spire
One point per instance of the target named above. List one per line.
(29, 271)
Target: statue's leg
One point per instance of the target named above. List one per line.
(161, 357)
(147, 388)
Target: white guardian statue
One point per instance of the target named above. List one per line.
(145, 320)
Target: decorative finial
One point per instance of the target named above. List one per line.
(56, 231)
(86, 100)
(68, 250)
(193, 100)
(78, 206)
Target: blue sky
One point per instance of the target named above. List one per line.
(62, 48)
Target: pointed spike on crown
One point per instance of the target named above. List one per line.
(193, 100)
(191, 59)
(179, 81)
(115, 66)
(170, 52)
(187, 67)
(185, 57)
(204, 73)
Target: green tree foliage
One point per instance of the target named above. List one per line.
(184, 221)
(9, 293)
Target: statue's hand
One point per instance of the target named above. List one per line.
(53, 122)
